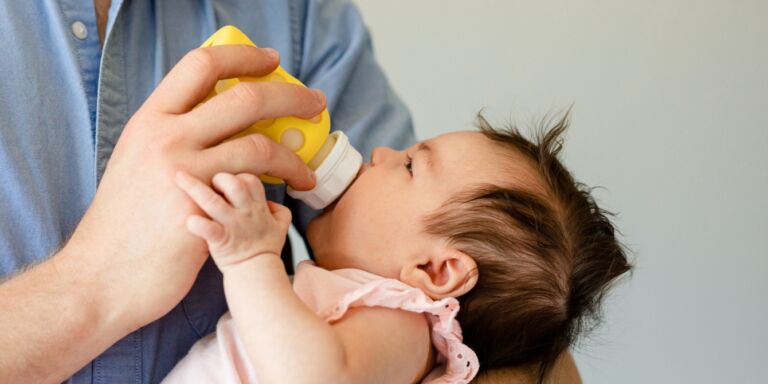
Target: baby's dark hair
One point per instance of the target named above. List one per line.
(545, 256)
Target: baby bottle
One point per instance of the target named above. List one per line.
(331, 156)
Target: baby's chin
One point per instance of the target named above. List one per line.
(319, 234)
(319, 224)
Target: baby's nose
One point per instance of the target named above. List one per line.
(380, 154)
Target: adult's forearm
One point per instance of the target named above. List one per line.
(52, 322)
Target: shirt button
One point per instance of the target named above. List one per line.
(79, 30)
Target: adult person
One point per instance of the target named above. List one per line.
(109, 300)
(118, 291)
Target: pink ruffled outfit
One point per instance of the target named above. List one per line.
(220, 357)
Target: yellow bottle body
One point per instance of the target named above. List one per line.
(304, 137)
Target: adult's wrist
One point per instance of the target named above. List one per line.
(52, 321)
(90, 292)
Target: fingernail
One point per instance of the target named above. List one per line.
(316, 119)
(314, 177)
(273, 54)
(319, 95)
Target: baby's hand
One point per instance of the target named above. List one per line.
(242, 224)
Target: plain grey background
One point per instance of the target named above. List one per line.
(670, 104)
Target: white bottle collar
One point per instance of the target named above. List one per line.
(334, 174)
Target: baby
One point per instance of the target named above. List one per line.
(486, 230)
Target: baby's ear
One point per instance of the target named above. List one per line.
(444, 272)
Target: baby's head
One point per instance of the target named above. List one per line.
(491, 218)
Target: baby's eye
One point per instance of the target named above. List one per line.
(408, 163)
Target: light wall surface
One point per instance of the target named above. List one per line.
(670, 103)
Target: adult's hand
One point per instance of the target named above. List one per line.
(134, 232)
(131, 259)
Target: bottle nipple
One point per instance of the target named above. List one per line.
(336, 164)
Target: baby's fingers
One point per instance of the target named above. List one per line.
(281, 214)
(211, 231)
(232, 188)
(209, 201)
(254, 185)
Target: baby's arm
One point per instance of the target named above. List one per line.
(288, 343)
(285, 341)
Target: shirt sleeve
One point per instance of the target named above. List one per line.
(336, 55)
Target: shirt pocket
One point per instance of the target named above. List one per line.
(205, 302)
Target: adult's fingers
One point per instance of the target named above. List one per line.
(257, 154)
(246, 103)
(194, 76)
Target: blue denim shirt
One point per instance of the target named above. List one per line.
(65, 100)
